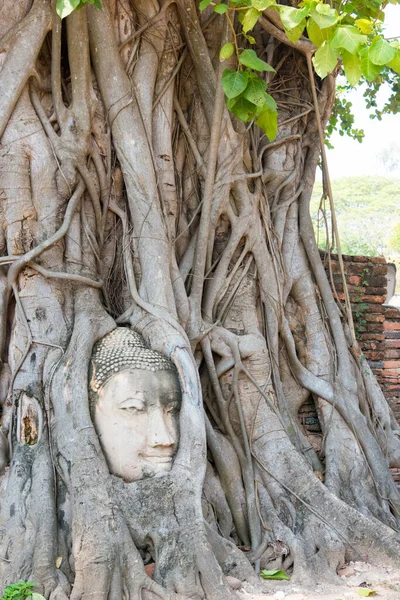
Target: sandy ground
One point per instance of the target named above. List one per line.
(385, 581)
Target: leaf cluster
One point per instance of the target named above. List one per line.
(18, 591)
(246, 93)
(344, 33)
(66, 7)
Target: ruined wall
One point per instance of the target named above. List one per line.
(377, 326)
(377, 329)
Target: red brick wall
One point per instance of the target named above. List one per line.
(377, 329)
(377, 326)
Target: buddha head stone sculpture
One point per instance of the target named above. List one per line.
(135, 400)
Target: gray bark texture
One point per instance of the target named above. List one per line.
(130, 195)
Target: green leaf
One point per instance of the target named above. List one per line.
(255, 91)
(203, 4)
(268, 122)
(381, 52)
(365, 592)
(295, 34)
(292, 17)
(250, 18)
(36, 596)
(395, 63)
(249, 38)
(349, 38)
(243, 109)
(352, 67)
(369, 69)
(234, 82)
(65, 7)
(324, 19)
(226, 51)
(325, 59)
(221, 8)
(275, 574)
(364, 25)
(262, 4)
(317, 35)
(249, 59)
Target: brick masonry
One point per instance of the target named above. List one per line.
(377, 329)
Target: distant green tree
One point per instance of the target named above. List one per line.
(366, 210)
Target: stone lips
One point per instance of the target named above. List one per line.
(121, 349)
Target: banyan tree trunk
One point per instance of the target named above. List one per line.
(131, 196)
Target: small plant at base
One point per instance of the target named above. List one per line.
(18, 591)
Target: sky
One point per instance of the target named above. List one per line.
(350, 158)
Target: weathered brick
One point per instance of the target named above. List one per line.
(392, 325)
(377, 365)
(377, 337)
(379, 291)
(387, 373)
(377, 281)
(392, 353)
(391, 364)
(374, 327)
(378, 260)
(391, 335)
(392, 344)
(374, 318)
(354, 279)
(373, 299)
(371, 355)
(392, 313)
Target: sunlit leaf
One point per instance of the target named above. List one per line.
(268, 122)
(352, 67)
(255, 91)
(296, 33)
(36, 596)
(381, 52)
(275, 573)
(365, 592)
(249, 19)
(395, 63)
(249, 38)
(221, 8)
(324, 20)
(203, 4)
(325, 59)
(292, 17)
(249, 59)
(349, 38)
(234, 82)
(369, 69)
(262, 4)
(364, 25)
(65, 7)
(317, 35)
(226, 51)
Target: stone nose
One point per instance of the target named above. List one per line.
(159, 431)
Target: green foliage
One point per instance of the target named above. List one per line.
(367, 211)
(275, 574)
(342, 119)
(65, 7)
(347, 35)
(18, 591)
